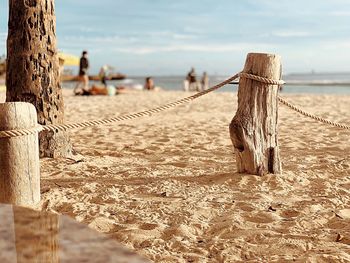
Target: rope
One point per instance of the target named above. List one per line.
(261, 79)
(17, 133)
(317, 118)
(65, 127)
(291, 106)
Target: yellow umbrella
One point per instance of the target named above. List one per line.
(68, 59)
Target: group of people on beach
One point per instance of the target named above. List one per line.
(82, 86)
(191, 83)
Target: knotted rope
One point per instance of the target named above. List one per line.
(65, 127)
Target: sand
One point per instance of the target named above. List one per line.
(166, 186)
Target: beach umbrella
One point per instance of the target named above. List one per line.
(69, 60)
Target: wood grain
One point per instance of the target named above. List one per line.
(254, 130)
(19, 156)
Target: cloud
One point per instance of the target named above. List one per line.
(206, 48)
(288, 34)
(97, 39)
(169, 35)
(157, 42)
(89, 29)
(340, 45)
(340, 13)
(147, 32)
(135, 37)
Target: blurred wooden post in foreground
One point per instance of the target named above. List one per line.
(253, 130)
(19, 156)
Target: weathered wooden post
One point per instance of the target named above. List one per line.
(44, 229)
(253, 130)
(19, 156)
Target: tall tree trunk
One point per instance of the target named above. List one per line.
(33, 69)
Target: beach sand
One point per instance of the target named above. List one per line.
(166, 185)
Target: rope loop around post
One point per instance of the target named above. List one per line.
(22, 132)
(261, 79)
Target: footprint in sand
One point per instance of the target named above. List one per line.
(163, 140)
(289, 214)
(153, 148)
(179, 164)
(148, 226)
(261, 217)
(246, 207)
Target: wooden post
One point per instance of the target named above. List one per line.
(253, 130)
(19, 156)
(32, 69)
(36, 236)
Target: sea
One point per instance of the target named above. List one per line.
(310, 83)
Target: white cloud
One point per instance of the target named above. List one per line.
(183, 37)
(171, 35)
(156, 42)
(287, 34)
(89, 29)
(210, 48)
(89, 39)
(340, 13)
(194, 30)
(339, 45)
(160, 36)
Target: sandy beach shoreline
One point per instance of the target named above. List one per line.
(166, 185)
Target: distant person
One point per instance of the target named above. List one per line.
(192, 80)
(103, 75)
(83, 73)
(186, 85)
(191, 76)
(149, 84)
(205, 81)
(94, 90)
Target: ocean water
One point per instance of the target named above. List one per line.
(296, 83)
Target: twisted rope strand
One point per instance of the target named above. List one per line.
(289, 105)
(307, 114)
(23, 132)
(261, 79)
(65, 127)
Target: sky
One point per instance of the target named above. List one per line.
(167, 37)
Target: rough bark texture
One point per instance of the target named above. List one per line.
(19, 156)
(253, 130)
(33, 69)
